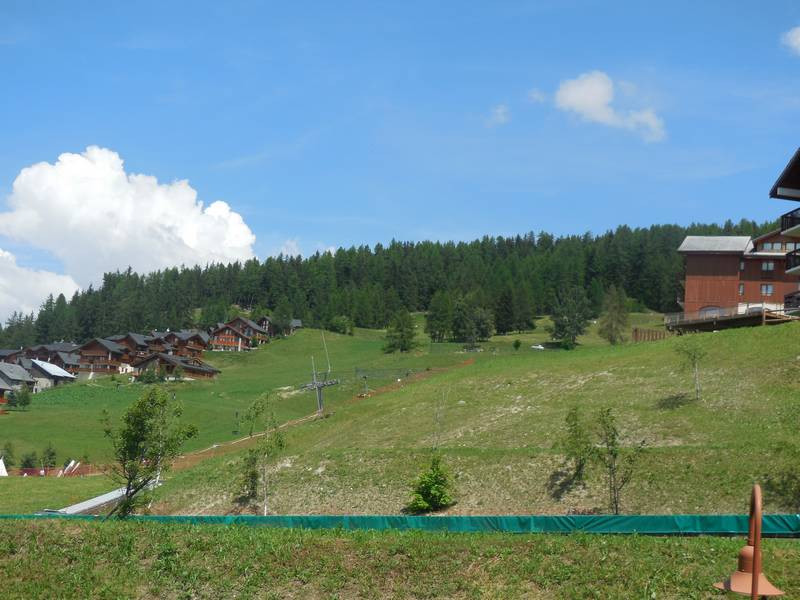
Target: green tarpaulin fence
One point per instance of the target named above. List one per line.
(721, 525)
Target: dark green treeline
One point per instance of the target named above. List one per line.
(370, 284)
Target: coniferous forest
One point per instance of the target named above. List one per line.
(506, 276)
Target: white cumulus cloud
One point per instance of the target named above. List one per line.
(499, 115)
(24, 289)
(791, 39)
(590, 96)
(91, 214)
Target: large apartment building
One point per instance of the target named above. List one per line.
(747, 274)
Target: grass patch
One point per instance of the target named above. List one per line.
(145, 560)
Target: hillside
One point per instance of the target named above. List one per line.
(502, 414)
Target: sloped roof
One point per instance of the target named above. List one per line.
(787, 186)
(109, 345)
(52, 370)
(69, 358)
(252, 324)
(232, 328)
(296, 323)
(138, 338)
(15, 373)
(61, 347)
(178, 361)
(8, 352)
(716, 244)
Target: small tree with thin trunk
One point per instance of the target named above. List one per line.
(255, 468)
(692, 354)
(144, 447)
(23, 398)
(577, 446)
(49, 457)
(254, 412)
(619, 466)
(614, 319)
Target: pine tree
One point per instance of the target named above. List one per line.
(400, 335)
(504, 319)
(439, 320)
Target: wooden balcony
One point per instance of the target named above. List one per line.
(793, 262)
(790, 223)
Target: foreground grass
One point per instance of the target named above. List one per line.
(145, 560)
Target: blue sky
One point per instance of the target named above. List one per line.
(327, 124)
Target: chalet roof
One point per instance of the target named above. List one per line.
(138, 338)
(178, 361)
(226, 326)
(52, 370)
(187, 334)
(61, 347)
(5, 352)
(787, 186)
(295, 323)
(15, 373)
(69, 358)
(251, 324)
(109, 345)
(716, 244)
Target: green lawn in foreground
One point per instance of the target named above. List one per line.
(502, 417)
(135, 560)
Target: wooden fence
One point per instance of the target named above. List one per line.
(648, 335)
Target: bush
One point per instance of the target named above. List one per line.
(432, 490)
(341, 324)
(517, 344)
(29, 461)
(150, 376)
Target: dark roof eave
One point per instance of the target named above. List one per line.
(787, 186)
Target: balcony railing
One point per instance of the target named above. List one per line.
(790, 219)
(792, 260)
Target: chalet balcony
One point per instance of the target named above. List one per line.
(793, 262)
(790, 223)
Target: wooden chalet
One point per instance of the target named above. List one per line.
(103, 356)
(138, 345)
(228, 338)
(188, 342)
(167, 364)
(267, 325)
(47, 352)
(258, 335)
(10, 355)
(69, 361)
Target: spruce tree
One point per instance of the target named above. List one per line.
(504, 320)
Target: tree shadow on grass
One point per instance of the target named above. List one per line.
(561, 482)
(674, 401)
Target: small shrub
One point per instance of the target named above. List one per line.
(341, 324)
(49, 456)
(517, 344)
(23, 398)
(29, 461)
(432, 490)
(8, 454)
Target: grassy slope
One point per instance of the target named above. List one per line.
(69, 416)
(125, 560)
(24, 495)
(501, 419)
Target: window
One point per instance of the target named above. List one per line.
(766, 289)
(741, 265)
(741, 289)
(768, 265)
(790, 246)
